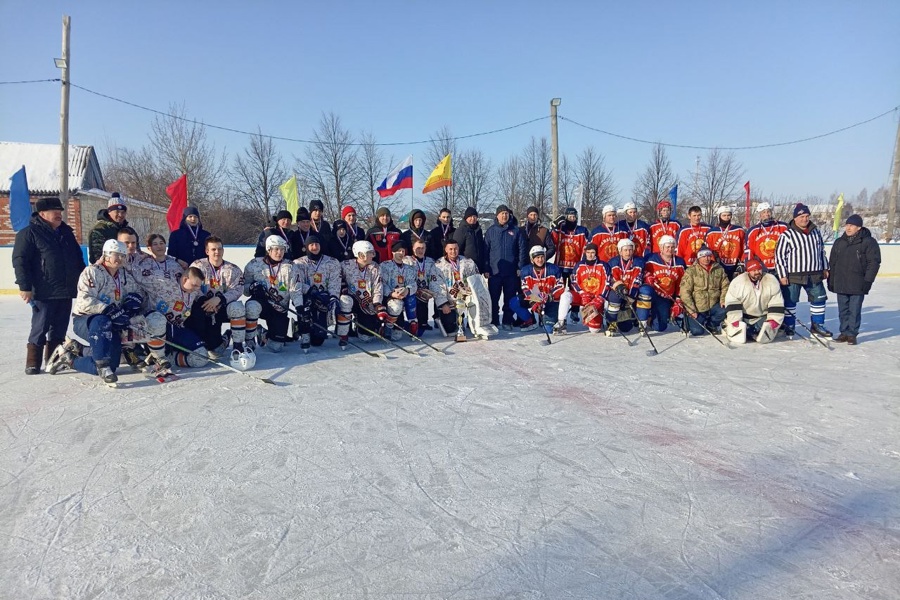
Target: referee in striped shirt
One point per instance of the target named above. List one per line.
(800, 262)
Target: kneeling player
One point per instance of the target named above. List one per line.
(589, 284)
(399, 281)
(274, 283)
(626, 272)
(320, 284)
(455, 299)
(545, 294)
(361, 295)
(657, 298)
(754, 305)
(427, 282)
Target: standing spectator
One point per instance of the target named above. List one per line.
(187, 243)
(319, 225)
(703, 289)
(341, 246)
(383, 234)
(47, 261)
(535, 233)
(442, 232)
(281, 226)
(801, 263)
(506, 255)
(109, 221)
(416, 230)
(356, 233)
(471, 240)
(855, 258)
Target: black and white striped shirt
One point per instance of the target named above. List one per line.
(799, 252)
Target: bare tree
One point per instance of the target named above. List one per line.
(135, 174)
(473, 179)
(599, 187)
(654, 183)
(373, 168)
(256, 175)
(566, 182)
(720, 180)
(536, 174)
(510, 185)
(442, 144)
(179, 147)
(330, 165)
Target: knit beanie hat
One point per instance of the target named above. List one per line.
(116, 203)
(346, 211)
(384, 210)
(801, 209)
(855, 220)
(302, 214)
(502, 208)
(283, 214)
(470, 212)
(316, 205)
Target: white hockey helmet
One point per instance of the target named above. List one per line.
(276, 241)
(623, 243)
(609, 208)
(114, 247)
(724, 209)
(666, 239)
(629, 206)
(243, 361)
(763, 206)
(363, 247)
(537, 251)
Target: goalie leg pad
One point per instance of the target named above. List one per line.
(736, 335)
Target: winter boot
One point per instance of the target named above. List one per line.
(304, 342)
(33, 359)
(342, 342)
(841, 338)
(612, 329)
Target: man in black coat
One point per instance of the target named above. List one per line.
(506, 254)
(854, 261)
(47, 261)
(442, 232)
(471, 240)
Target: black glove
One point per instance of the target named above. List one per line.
(259, 291)
(117, 315)
(132, 303)
(738, 269)
(306, 314)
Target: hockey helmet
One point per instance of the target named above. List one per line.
(666, 239)
(629, 206)
(363, 247)
(609, 208)
(276, 241)
(243, 361)
(114, 247)
(537, 251)
(724, 209)
(624, 242)
(763, 206)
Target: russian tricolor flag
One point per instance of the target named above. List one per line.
(400, 178)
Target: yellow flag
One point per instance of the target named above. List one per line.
(440, 177)
(291, 196)
(837, 214)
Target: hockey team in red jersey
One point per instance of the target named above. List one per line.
(625, 274)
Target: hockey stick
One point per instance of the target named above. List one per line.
(357, 346)
(643, 331)
(544, 329)
(709, 331)
(218, 362)
(418, 339)
(812, 336)
(382, 338)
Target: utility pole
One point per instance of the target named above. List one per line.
(895, 183)
(554, 156)
(63, 64)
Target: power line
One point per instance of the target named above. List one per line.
(28, 81)
(772, 145)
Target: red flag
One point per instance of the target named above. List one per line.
(747, 212)
(177, 192)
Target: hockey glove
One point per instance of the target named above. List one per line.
(382, 312)
(773, 325)
(117, 315)
(132, 303)
(259, 291)
(738, 269)
(677, 310)
(333, 304)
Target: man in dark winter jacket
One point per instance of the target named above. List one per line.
(442, 232)
(109, 222)
(318, 224)
(854, 261)
(187, 243)
(506, 254)
(383, 234)
(281, 226)
(416, 230)
(536, 234)
(47, 261)
(471, 240)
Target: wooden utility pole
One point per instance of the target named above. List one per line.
(64, 116)
(554, 156)
(895, 183)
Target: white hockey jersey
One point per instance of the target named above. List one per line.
(395, 276)
(283, 281)
(227, 280)
(363, 284)
(453, 276)
(323, 275)
(97, 289)
(744, 298)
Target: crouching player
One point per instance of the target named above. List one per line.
(320, 284)
(274, 283)
(399, 281)
(545, 294)
(589, 284)
(754, 305)
(361, 295)
(626, 272)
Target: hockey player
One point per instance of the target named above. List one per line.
(128, 236)
(664, 225)
(702, 291)
(692, 236)
(382, 235)
(606, 235)
(590, 281)
(108, 296)
(221, 302)
(754, 306)
(626, 275)
(658, 297)
(427, 278)
(727, 241)
(361, 295)
(274, 283)
(762, 238)
(399, 289)
(801, 263)
(545, 294)
(158, 264)
(570, 239)
(454, 297)
(320, 284)
(636, 230)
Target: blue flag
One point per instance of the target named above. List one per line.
(673, 196)
(19, 200)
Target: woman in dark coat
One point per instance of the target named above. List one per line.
(854, 262)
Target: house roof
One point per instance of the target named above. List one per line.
(41, 163)
(128, 200)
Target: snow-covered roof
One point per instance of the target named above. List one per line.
(128, 200)
(41, 163)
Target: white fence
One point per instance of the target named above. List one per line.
(241, 255)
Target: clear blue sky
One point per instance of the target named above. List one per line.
(703, 73)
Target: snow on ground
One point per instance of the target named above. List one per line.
(504, 470)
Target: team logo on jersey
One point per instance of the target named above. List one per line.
(569, 253)
(105, 299)
(273, 280)
(400, 279)
(590, 284)
(361, 284)
(696, 244)
(317, 278)
(767, 247)
(609, 250)
(179, 306)
(214, 283)
(664, 281)
(162, 307)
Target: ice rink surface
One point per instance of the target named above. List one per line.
(504, 469)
